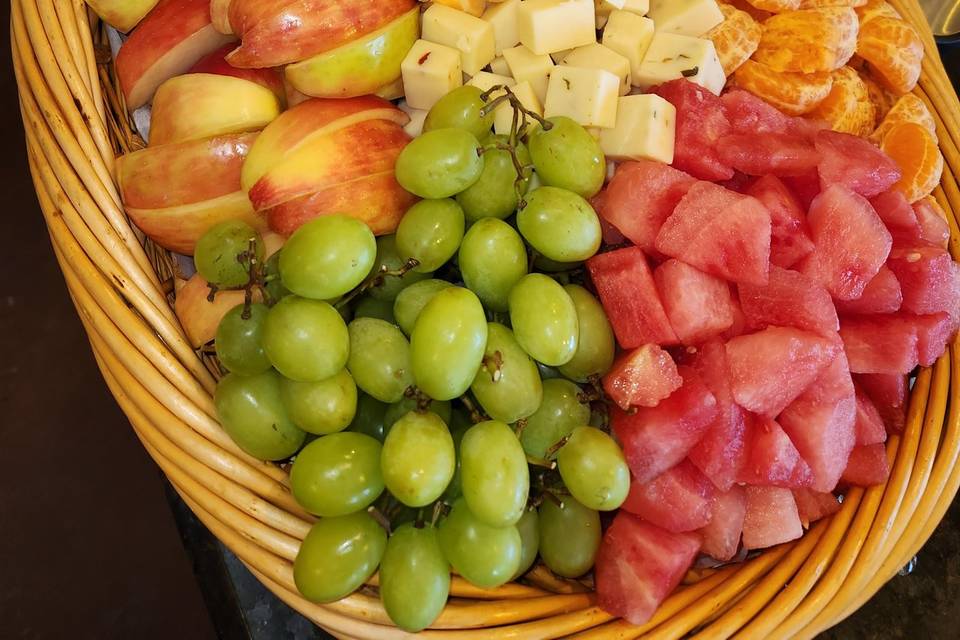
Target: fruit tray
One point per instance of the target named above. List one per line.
(76, 125)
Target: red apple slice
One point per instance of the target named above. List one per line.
(216, 63)
(122, 14)
(198, 316)
(220, 16)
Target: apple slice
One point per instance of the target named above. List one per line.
(216, 63)
(122, 14)
(175, 35)
(201, 105)
(361, 66)
(198, 316)
(220, 16)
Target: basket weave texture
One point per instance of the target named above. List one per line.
(75, 125)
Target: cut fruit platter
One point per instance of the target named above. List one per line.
(529, 319)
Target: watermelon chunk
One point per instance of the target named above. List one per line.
(657, 438)
(869, 426)
(894, 343)
(749, 114)
(701, 121)
(769, 369)
(642, 377)
(805, 188)
(721, 536)
(640, 197)
(814, 505)
(771, 517)
(867, 466)
(720, 232)
(929, 278)
(698, 305)
(630, 299)
(932, 222)
(639, 565)
(679, 499)
(821, 421)
(881, 295)
(850, 239)
(889, 394)
(759, 154)
(897, 214)
(933, 333)
(854, 163)
(722, 451)
(789, 299)
(790, 238)
(773, 459)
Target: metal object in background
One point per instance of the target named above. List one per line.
(944, 17)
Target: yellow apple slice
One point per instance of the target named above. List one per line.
(122, 14)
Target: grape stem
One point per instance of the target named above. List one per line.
(494, 366)
(377, 280)
(423, 400)
(540, 462)
(381, 519)
(439, 508)
(519, 426)
(556, 446)
(476, 416)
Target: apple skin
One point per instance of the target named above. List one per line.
(220, 16)
(198, 316)
(361, 66)
(122, 14)
(269, 40)
(216, 63)
(170, 40)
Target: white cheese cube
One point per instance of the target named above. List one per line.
(473, 7)
(597, 56)
(685, 17)
(527, 66)
(639, 7)
(503, 18)
(499, 66)
(588, 96)
(503, 118)
(430, 71)
(559, 56)
(673, 56)
(486, 81)
(606, 7)
(646, 127)
(417, 117)
(629, 35)
(553, 25)
(472, 36)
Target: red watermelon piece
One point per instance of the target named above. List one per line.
(679, 499)
(933, 333)
(805, 188)
(720, 232)
(867, 466)
(898, 216)
(759, 154)
(770, 368)
(881, 295)
(889, 394)
(625, 285)
(701, 121)
(880, 344)
(749, 114)
(642, 377)
(739, 326)
(611, 235)
(789, 299)
(854, 163)
(929, 278)
(657, 438)
(773, 459)
(721, 536)
(814, 505)
(869, 425)
(771, 517)
(790, 238)
(639, 565)
(698, 304)
(932, 223)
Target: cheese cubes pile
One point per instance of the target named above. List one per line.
(550, 55)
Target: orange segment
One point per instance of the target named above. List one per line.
(793, 93)
(915, 150)
(909, 108)
(757, 14)
(816, 4)
(735, 39)
(876, 8)
(775, 6)
(893, 52)
(848, 108)
(880, 96)
(810, 40)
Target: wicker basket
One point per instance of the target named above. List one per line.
(75, 124)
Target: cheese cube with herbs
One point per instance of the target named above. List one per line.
(525, 65)
(430, 71)
(588, 96)
(499, 66)
(597, 56)
(503, 18)
(553, 25)
(417, 117)
(685, 17)
(503, 117)
(629, 35)
(646, 127)
(473, 37)
(673, 56)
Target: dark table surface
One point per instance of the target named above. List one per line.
(93, 544)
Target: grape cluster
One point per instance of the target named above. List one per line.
(444, 379)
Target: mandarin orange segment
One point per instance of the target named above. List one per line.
(775, 6)
(757, 14)
(735, 39)
(792, 93)
(810, 40)
(880, 96)
(893, 52)
(915, 150)
(816, 4)
(908, 108)
(874, 9)
(848, 108)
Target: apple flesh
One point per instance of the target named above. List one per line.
(216, 63)
(198, 316)
(361, 66)
(220, 16)
(123, 15)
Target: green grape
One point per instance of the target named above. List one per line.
(494, 195)
(337, 474)
(418, 458)
(405, 405)
(252, 413)
(529, 528)
(596, 346)
(567, 156)
(495, 477)
(222, 253)
(323, 407)
(569, 537)
(369, 418)
(560, 225)
(485, 556)
(306, 340)
(544, 319)
(414, 578)
(440, 163)
(460, 109)
(411, 301)
(327, 257)
(447, 343)
(389, 257)
(430, 232)
(459, 424)
(274, 284)
(594, 469)
(337, 556)
(370, 307)
(492, 260)
(507, 385)
(558, 415)
(542, 263)
(379, 359)
(239, 340)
